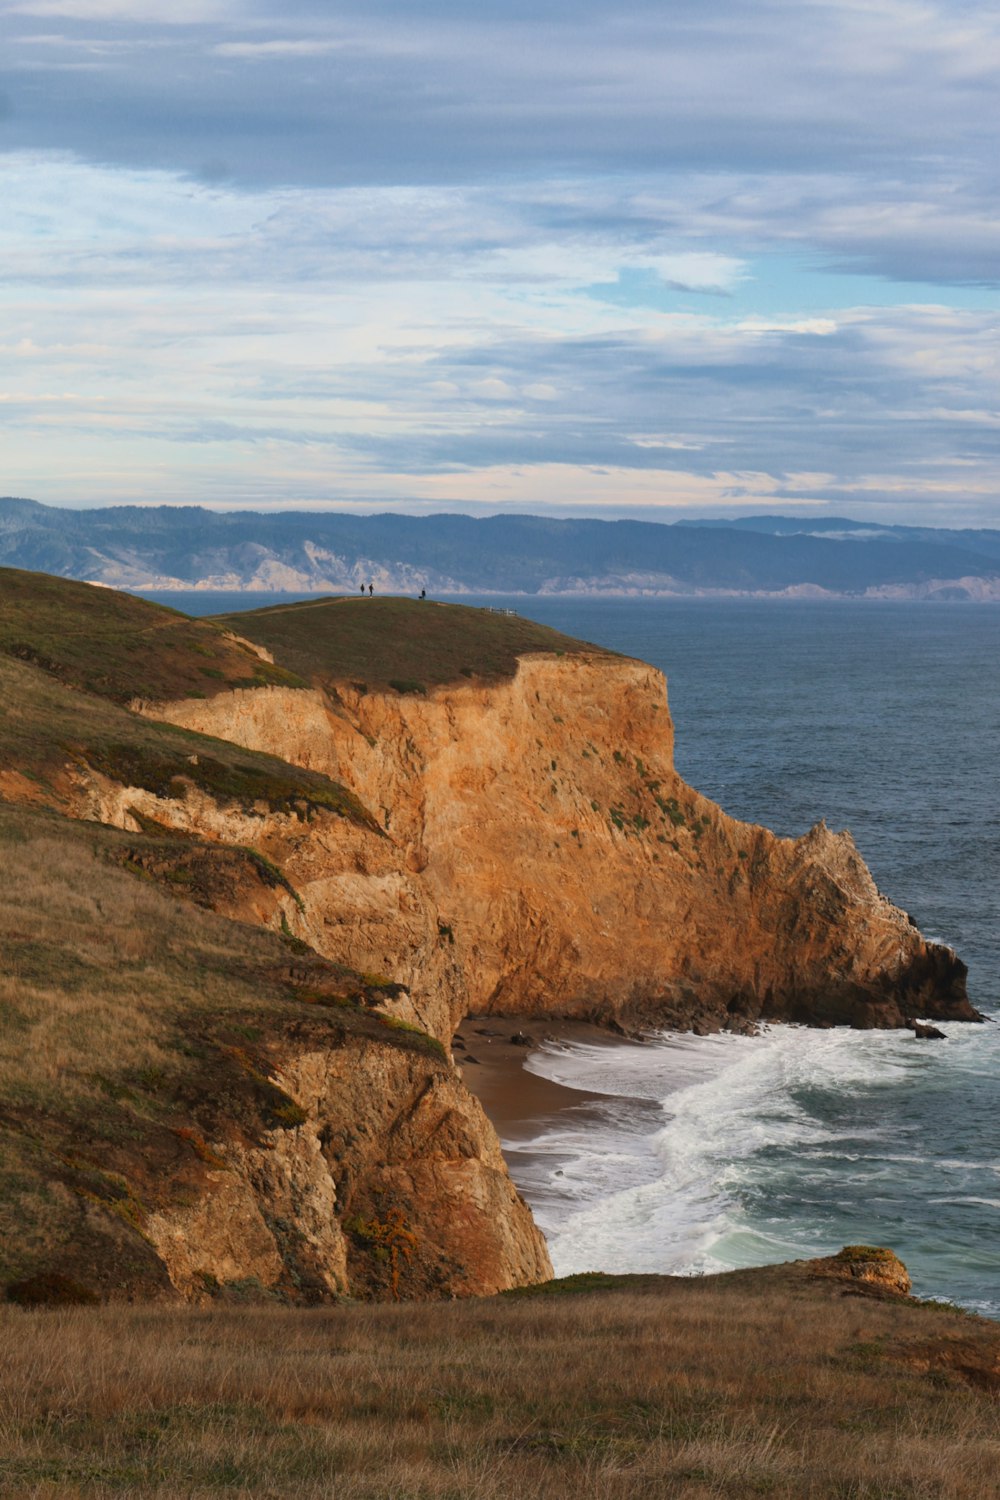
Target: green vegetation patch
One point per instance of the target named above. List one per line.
(851, 1253)
(165, 770)
(427, 1042)
(589, 1281)
(121, 647)
(47, 726)
(409, 645)
(671, 809)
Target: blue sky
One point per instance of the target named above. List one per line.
(648, 259)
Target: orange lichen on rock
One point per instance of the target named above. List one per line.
(872, 1265)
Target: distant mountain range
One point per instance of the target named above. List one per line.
(186, 547)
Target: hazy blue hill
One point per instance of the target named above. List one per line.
(983, 542)
(186, 546)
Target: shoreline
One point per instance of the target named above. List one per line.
(492, 1066)
(543, 1126)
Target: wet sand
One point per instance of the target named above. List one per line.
(520, 1104)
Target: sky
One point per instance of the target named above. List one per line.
(656, 258)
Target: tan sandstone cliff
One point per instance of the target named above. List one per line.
(383, 1179)
(540, 854)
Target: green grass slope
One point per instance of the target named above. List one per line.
(409, 644)
(120, 647)
(72, 656)
(48, 727)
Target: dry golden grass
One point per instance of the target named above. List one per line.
(132, 1026)
(86, 948)
(730, 1386)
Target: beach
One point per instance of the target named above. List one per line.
(522, 1104)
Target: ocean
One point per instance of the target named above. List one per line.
(705, 1154)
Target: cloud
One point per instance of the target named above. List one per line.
(816, 327)
(729, 251)
(492, 389)
(131, 12)
(444, 92)
(278, 47)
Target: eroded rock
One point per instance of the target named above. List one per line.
(869, 1264)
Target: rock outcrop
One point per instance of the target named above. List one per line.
(197, 1108)
(876, 1269)
(383, 1178)
(540, 854)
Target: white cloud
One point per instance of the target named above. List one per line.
(135, 12)
(493, 389)
(278, 47)
(699, 270)
(817, 327)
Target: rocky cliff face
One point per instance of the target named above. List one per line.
(513, 843)
(384, 1179)
(540, 854)
(195, 1107)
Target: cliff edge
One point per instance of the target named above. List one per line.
(259, 868)
(540, 852)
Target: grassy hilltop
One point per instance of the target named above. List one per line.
(417, 644)
(120, 647)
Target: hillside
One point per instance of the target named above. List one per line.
(120, 647)
(184, 547)
(418, 643)
(241, 921)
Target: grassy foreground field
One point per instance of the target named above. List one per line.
(756, 1383)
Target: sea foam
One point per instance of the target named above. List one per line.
(703, 1154)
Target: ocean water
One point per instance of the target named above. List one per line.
(702, 1154)
(706, 1154)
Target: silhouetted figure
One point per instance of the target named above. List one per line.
(423, 593)
(362, 591)
(371, 590)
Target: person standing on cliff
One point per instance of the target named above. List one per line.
(371, 590)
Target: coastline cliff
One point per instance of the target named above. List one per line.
(541, 854)
(349, 825)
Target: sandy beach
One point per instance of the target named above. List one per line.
(520, 1103)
